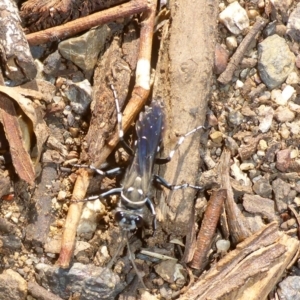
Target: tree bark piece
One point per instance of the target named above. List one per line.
(238, 225)
(183, 82)
(14, 49)
(249, 272)
(208, 228)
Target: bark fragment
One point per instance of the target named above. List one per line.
(14, 50)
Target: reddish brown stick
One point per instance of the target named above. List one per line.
(74, 27)
(208, 228)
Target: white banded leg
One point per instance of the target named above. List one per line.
(101, 196)
(174, 187)
(161, 161)
(99, 171)
(119, 121)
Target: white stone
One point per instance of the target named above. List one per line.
(287, 93)
(276, 96)
(239, 84)
(235, 18)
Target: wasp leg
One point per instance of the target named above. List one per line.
(126, 147)
(161, 161)
(99, 171)
(174, 187)
(101, 196)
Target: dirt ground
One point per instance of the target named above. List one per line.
(229, 66)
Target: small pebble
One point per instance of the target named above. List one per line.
(216, 137)
(231, 43)
(247, 166)
(221, 59)
(284, 114)
(284, 132)
(293, 78)
(287, 93)
(223, 245)
(262, 145)
(235, 18)
(61, 195)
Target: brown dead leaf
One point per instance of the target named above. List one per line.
(20, 139)
(20, 157)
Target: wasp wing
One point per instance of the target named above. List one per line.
(149, 133)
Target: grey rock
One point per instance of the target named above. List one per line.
(293, 25)
(259, 205)
(166, 270)
(262, 187)
(275, 62)
(289, 288)
(235, 118)
(83, 51)
(281, 191)
(12, 286)
(52, 63)
(90, 281)
(80, 96)
(10, 243)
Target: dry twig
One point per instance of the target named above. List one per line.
(41, 293)
(74, 27)
(237, 57)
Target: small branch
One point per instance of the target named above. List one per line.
(73, 217)
(237, 57)
(41, 293)
(208, 228)
(74, 27)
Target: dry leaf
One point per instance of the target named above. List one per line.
(20, 139)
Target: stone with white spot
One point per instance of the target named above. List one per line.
(235, 18)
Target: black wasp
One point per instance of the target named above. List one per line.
(135, 189)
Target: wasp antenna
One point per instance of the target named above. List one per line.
(133, 263)
(121, 245)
